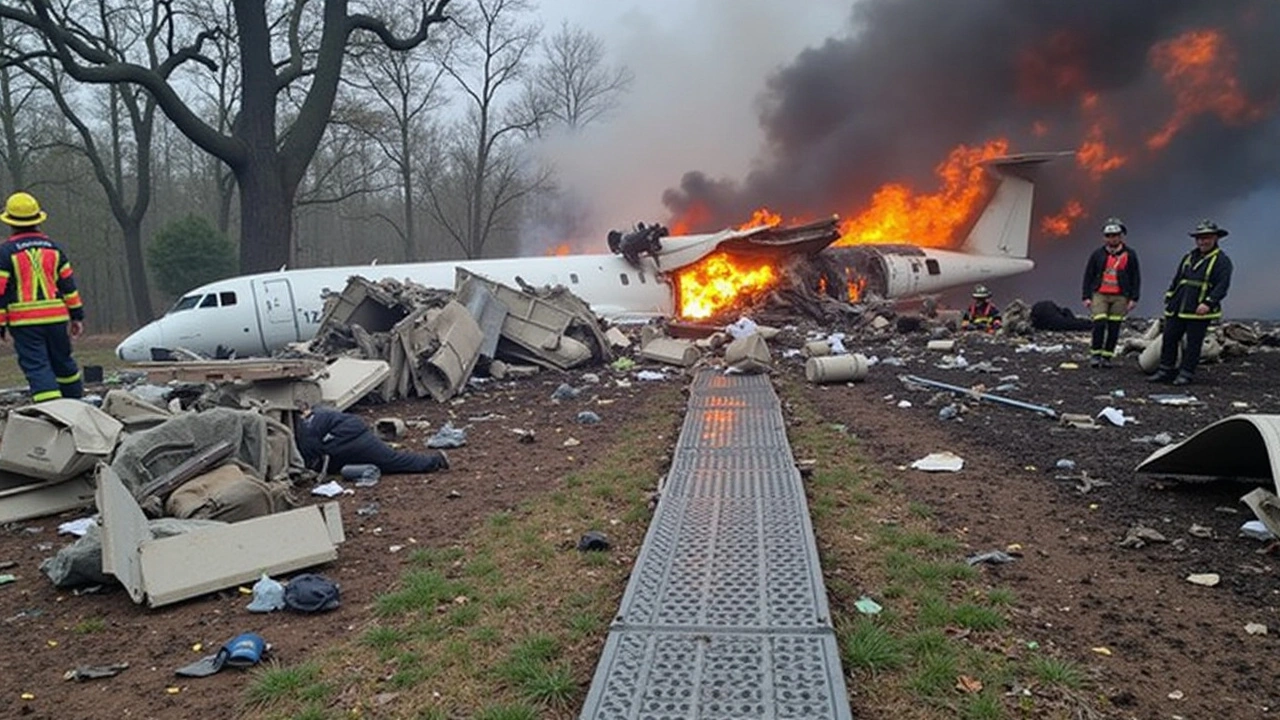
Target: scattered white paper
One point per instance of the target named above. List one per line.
(1256, 529)
(945, 461)
(77, 527)
(1116, 417)
(904, 404)
(329, 489)
(650, 375)
(1032, 347)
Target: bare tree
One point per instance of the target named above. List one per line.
(493, 48)
(573, 80)
(118, 149)
(403, 90)
(268, 155)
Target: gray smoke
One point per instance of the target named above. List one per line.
(916, 78)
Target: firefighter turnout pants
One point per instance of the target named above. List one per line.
(1108, 313)
(1176, 330)
(44, 354)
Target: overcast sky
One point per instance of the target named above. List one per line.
(700, 66)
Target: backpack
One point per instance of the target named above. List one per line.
(226, 493)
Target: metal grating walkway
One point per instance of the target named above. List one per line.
(725, 615)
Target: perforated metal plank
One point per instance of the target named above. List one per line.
(727, 563)
(646, 675)
(732, 428)
(710, 382)
(706, 482)
(730, 460)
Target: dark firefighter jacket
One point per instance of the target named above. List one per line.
(1129, 278)
(1201, 278)
(37, 285)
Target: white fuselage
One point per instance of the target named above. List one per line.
(259, 314)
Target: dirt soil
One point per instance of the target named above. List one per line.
(1129, 615)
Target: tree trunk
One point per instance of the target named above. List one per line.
(266, 222)
(139, 288)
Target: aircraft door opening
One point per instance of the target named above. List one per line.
(277, 316)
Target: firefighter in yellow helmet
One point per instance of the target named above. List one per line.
(982, 313)
(39, 303)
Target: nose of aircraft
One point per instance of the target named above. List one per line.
(137, 347)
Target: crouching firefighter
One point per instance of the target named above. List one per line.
(982, 313)
(39, 303)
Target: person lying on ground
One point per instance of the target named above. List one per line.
(346, 439)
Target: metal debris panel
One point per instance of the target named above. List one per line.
(725, 614)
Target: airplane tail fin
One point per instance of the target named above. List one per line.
(1004, 228)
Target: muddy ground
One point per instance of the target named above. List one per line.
(1126, 614)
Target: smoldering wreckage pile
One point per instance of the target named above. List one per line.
(197, 458)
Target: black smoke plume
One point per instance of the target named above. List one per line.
(915, 78)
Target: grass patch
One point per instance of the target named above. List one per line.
(867, 646)
(89, 625)
(1054, 671)
(508, 712)
(976, 617)
(421, 590)
(276, 684)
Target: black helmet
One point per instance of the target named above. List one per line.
(1208, 227)
(1113, 226)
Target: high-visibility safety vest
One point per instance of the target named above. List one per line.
(1116, 263)
(36, 282)
(1195, 284)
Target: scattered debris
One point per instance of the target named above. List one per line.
(1139, 535)
(867, 606)
(1255, 629)
(945, 461)
(1046, 411)
(1205, 579)
(593, 541)
(993, 557)
(95, 672)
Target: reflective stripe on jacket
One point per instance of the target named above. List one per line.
(1200, 279)
(37, 285)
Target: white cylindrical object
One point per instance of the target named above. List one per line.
(835, 368)
(817, 348)
(943, 345)
(1149, 360)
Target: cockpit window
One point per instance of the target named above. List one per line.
(227, 298)
(186, 303)
(210, 300)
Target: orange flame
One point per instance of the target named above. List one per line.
(1060, 224)
(695, 216)
(559, 250)
(718, 282)
(762, 216)
(897, 214)
(1199, 68)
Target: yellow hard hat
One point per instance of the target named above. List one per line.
(22, 210)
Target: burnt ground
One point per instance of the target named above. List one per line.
(1077, 589)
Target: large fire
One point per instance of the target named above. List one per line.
(899, 214)
(719, 282)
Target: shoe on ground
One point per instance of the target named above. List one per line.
(1161, 377)
(1095, 361)
(1182, 380)
(1105, 362)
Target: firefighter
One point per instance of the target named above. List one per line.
(39, 303)
(1193, 300)
(982, 313)
(1111, 284)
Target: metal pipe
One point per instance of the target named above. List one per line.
(1041, 409)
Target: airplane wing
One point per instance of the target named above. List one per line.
(763, 241)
